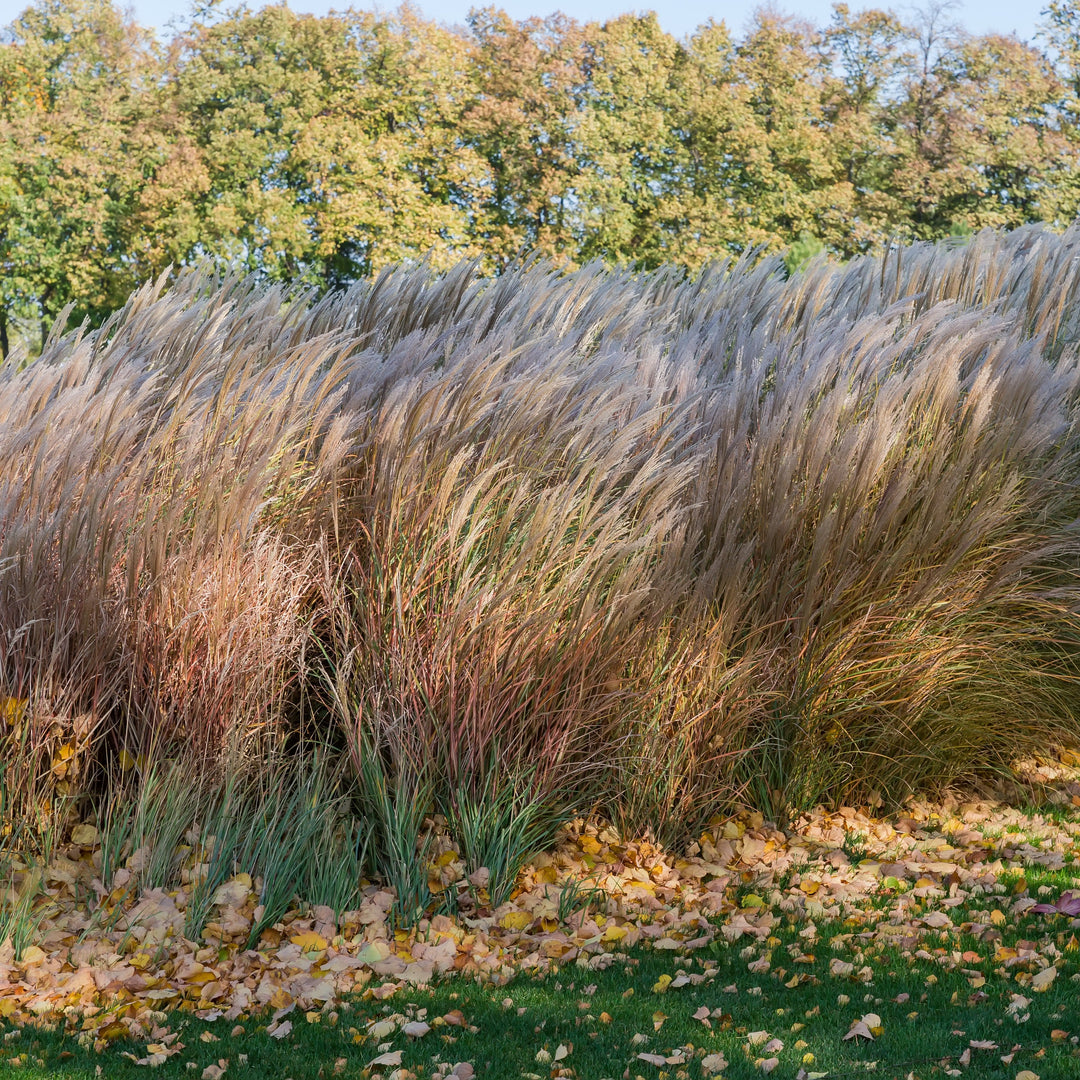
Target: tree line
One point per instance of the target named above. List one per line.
(319, 149)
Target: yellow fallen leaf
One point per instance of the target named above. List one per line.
(309, 941)
(661, 984)
(658, 1019)
(515, 920)
(84, 835)
(127, 761)
(752, 900)
(12, 710)
(997, 917)
(614, 933)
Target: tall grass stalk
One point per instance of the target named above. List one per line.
(22, 911)
(665, 540)
(501, 823)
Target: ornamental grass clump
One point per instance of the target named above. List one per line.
(561, 542)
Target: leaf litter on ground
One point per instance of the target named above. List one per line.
(979, 888)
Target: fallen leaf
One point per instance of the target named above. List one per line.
(515, 920)
(859, 1030)
(84, 835)
(310, 941)
(938, 920)
(392, 1058)
(653, 1059)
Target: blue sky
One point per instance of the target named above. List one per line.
(977, 16)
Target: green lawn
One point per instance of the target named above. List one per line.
(957, 997)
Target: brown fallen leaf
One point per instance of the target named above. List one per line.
(713, 1063)
(860, 1030)
(391, 1058)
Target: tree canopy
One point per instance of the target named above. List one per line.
(319, 149)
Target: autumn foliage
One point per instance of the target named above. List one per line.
(319, 150)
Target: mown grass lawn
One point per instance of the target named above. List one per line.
(735, 1009)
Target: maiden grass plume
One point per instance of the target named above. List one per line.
(634, 544)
